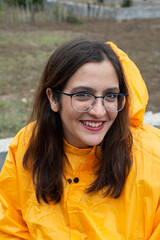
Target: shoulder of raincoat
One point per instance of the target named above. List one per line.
(135, 215)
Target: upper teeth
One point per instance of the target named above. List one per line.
(92, 124)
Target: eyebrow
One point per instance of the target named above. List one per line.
(93, 90)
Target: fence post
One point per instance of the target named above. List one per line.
(32, 12)
(28, 14)
(7, 12)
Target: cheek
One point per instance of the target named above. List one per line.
(65, 106)
(112, 116)
(67, 113)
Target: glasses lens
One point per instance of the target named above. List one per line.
(114, 102)
(82, 102)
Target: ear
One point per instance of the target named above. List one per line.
(53, 100)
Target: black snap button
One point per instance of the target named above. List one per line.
(69, 180)
(76, 180)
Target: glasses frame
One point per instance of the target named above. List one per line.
(95, 97)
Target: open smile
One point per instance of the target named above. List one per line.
(92, 124)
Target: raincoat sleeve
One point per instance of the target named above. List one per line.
(156, 232)
(156, 225)
(151, 147)
(12, 225)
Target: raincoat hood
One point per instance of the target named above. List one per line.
(138, 94)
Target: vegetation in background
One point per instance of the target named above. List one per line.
(126, 3)
(24, 2)
(71, 18)
(100, 1)
(36, 11)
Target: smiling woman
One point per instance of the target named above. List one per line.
(85, 119)
(86, 166)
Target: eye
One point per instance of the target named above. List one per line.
(82, 96)
(111, 97)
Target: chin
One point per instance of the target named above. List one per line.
(94, 142)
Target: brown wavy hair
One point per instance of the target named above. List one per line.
(45, 153)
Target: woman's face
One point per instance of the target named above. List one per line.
(84, 129)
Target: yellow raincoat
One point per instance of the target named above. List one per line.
(135, 215)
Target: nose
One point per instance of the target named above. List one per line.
(98, 110)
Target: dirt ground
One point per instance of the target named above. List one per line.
(140, 39)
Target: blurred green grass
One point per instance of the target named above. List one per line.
(22, 59)
(13, 117)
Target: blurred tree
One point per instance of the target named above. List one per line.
(23, 2)
(126, 3)
(100, 1)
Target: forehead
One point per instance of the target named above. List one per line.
(97, 76)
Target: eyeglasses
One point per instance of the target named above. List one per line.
(84, 101)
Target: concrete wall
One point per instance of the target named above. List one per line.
(114, 3)
(2, 158)
(117, 13)
(4, 143)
